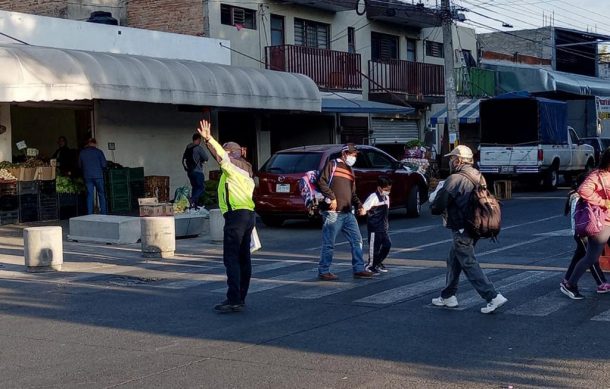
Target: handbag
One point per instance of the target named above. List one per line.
(589, 218)
(255, 242)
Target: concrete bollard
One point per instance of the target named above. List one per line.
(217, 224)
(43, 248)
(158, 236)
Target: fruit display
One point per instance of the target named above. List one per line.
(5, 175)
(8, 165)
(69, 185)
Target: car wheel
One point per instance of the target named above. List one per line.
(272, 221)
(414, 203)
(550, 179)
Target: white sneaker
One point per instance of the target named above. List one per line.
(449, 302)
(494, 304)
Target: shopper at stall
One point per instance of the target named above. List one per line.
(193, 159)
(64, 157)
(93, 162)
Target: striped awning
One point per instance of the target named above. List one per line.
(468, 112)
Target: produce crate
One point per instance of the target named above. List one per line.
(117, 175)
(48, 213)
(47, 187)
(136, 191)
(9, 217)
(29, 214)
(8, 188)
(67, 204)
(117, 189)
(9, 203)
(28, 201)
(157, 186)
(27, 187)
(136, 174)
(119, 205)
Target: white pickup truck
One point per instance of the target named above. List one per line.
(528, 139)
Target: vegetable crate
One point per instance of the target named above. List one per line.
(11, 217)
(157, 186)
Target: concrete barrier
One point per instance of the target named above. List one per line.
(217, 224)
(43, 248)
(158, 236)
(105, 229)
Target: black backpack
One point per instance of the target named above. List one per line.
(483, 217)
(188, 159)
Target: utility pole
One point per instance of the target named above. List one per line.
(450, 93)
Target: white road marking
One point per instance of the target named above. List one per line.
(604, 316)
(405, 292)
(262, 284)
(312, 291)
(504, 286)
(503, 248)
(542, 306)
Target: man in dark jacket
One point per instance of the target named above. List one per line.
(93, 162)
(338, 185)
(193, 159)
(452, 201)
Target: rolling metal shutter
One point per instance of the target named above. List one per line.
(386, 131)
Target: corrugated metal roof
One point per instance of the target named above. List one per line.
(32, 73)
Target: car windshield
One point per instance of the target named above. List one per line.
(288, 163)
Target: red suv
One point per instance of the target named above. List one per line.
(277, 196)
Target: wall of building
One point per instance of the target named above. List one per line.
(54, 8)
(537, 43)
(6, 153)
(150, 135)
(69, 9)
(181, 17)
(70, 34)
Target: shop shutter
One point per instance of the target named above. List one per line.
(386, 131)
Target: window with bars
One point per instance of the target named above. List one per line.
(238, 16)
(411, 50)
(277, 30)
(384, 46)
(434, 49)
(311, 34)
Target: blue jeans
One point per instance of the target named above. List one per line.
(346, 223)
(197, 180)
(462, 259)
(97, 184)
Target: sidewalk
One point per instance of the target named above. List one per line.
(85, 260)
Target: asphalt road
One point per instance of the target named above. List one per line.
(129, 323)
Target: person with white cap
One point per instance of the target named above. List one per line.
(452, 201)
(235, 189)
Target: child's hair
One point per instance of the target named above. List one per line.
(384, 182)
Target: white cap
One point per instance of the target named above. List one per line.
(461, 151)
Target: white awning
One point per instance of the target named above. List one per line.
(32, 73)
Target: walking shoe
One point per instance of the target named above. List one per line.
(571, 291)
(226, 307)
(374, 270)
(449, 302)
(327, 277)
(363, 274)
(382, 268)
(494, 304)
(603, 288)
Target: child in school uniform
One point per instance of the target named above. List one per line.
(377, 207)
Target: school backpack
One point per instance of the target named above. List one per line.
(483, 216)
(310, 189)
(188, 158)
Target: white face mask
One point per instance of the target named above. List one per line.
(350, 160)
(385, 192)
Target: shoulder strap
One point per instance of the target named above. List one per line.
(332, 172)
(601, 180)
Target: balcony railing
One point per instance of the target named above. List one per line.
(412, 78)
(475, 82)
(333, 70)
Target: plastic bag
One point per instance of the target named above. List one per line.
(181, 199)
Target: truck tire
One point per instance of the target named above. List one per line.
(414, 202)
(550, 179)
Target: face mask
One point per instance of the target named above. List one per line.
(385, 192)
(350, 160)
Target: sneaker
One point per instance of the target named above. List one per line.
(449, 302)
(382, 268)
(571, 291)
(363, 274)
(327, 277)
(374, 270)
(603, 288)
(494, 304)
(226, 307)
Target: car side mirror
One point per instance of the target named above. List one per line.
(580, 142)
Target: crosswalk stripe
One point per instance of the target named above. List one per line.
(541, 306)
(262, 284)
(505, 285)
(404, 292)
(314, 291)
(604, 316)
(256, 268)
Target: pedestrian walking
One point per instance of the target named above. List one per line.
(235, 189)
(595, 190)
(377, 208)
(193, 159)
(93, 162)
(581, 244)
(338, 185)
(452, 201)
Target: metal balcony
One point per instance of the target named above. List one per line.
(330, 69)
(416, 80)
